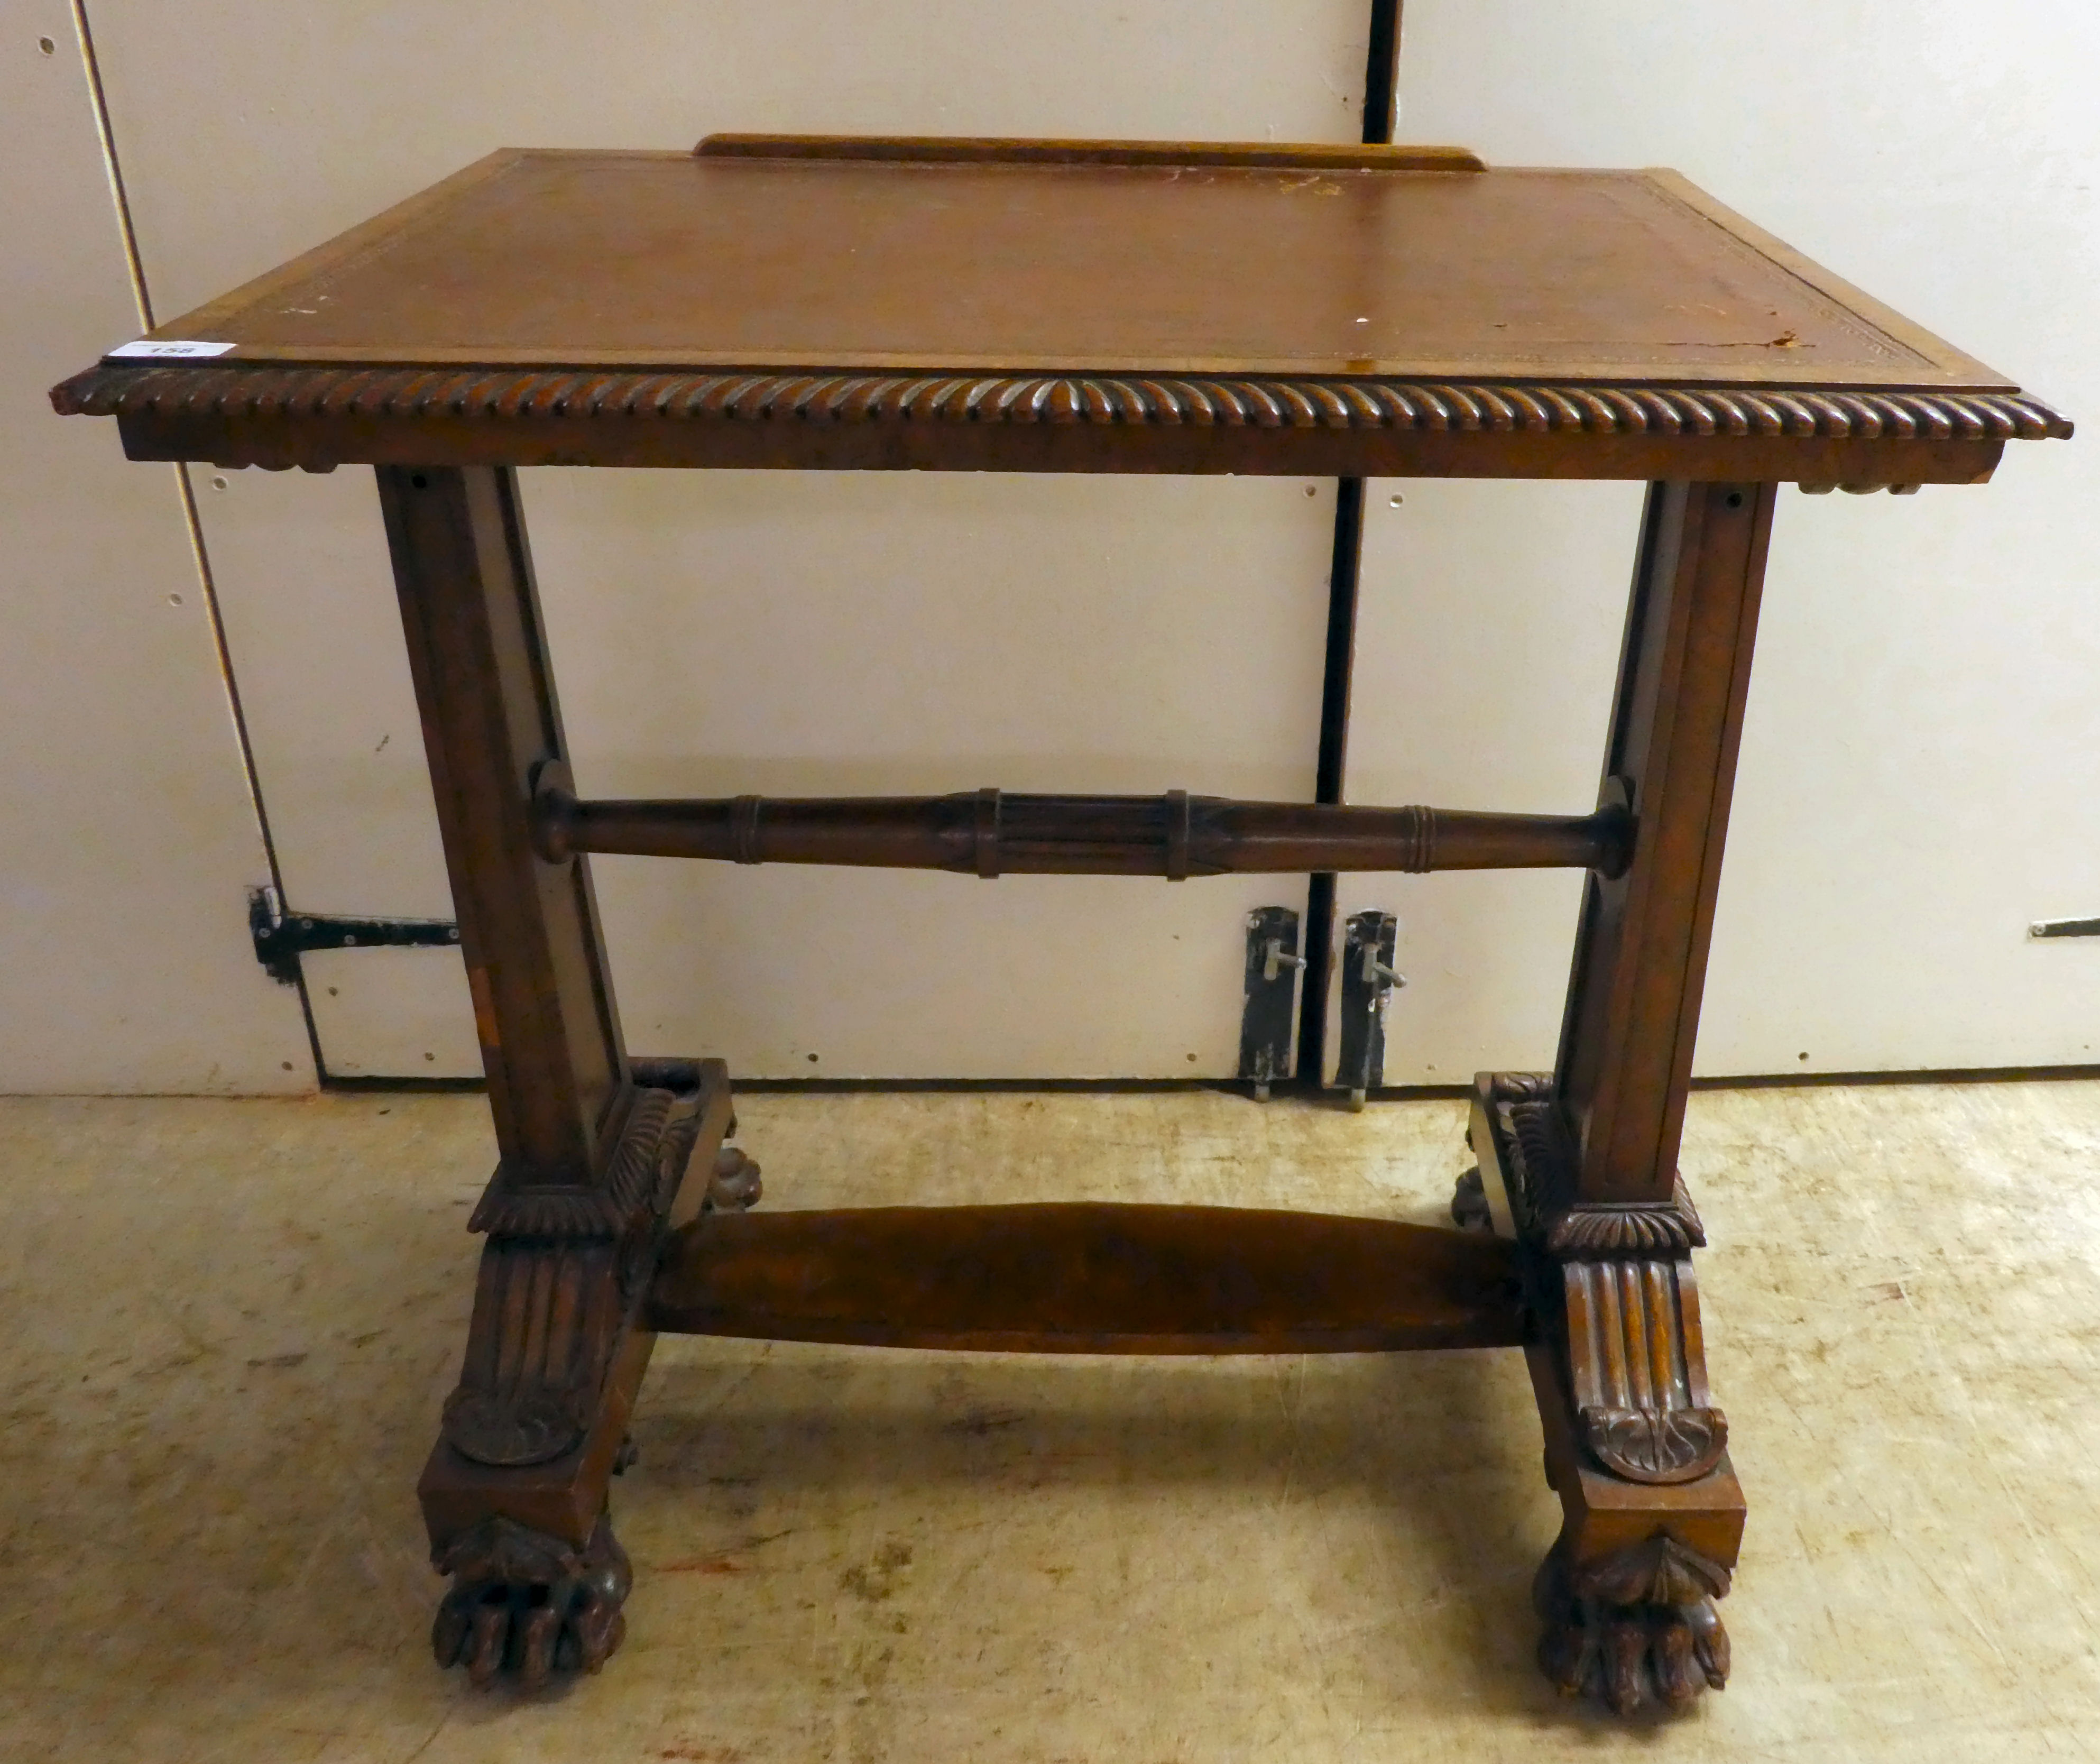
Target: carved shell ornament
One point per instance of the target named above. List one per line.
(1656, 1445)
(511, 1429)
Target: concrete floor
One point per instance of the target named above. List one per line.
(228, 1326)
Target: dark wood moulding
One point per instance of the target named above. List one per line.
(1001, 150)
(990, 833)
(1088, 1277)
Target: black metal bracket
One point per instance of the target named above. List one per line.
(281, 937)
(1368, 984)
(1272, 964)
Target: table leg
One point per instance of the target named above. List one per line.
(1581, 1168)
(590, 1161)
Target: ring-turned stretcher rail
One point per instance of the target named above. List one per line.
(990, 833)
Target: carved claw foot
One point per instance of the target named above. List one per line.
(1469, 1204)
(1636, 1627)
(523, 1602)
(734, 1181)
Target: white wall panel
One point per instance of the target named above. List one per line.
(1486, 638)
(1920, 766)
(130, 840)
(767, 632)
(252, 131)
(835, 634)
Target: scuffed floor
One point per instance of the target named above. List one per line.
(227, 1327)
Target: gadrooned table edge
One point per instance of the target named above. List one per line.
(319, 416)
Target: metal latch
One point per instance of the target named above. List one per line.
(281, 937)
(2064, 928)
(1272, 964)
(1368, 984)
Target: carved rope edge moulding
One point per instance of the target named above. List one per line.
(535, 395)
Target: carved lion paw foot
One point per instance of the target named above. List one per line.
(1633, 1627)
(734, 1181)
(523, 1602)
(1469, 1204)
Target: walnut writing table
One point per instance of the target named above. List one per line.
(1090, 308)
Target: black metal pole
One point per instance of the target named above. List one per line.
(1382, 74)
(1381, 95)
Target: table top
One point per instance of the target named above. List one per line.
(794, 284)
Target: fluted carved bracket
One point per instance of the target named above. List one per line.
(1636, 1370)
(1616, 1294)
(564, 1274)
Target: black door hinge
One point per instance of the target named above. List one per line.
(281, 938)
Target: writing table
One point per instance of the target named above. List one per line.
(843, 304)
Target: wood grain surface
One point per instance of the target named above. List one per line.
(1088, 1277)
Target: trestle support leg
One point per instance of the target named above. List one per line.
(1652, 1514)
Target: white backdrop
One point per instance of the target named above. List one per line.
(1920, 766)
(126, 839)
(1919, 770)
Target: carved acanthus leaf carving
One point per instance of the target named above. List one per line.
(650, 1154)
(1543, 1173)
(1660, 1571)
(545, 1212)
(499, 1549)
(1593, 1228)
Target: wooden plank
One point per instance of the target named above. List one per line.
(535, 964)
(1088, 1277)
(1640, 955)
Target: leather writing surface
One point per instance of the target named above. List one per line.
(642, 260)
